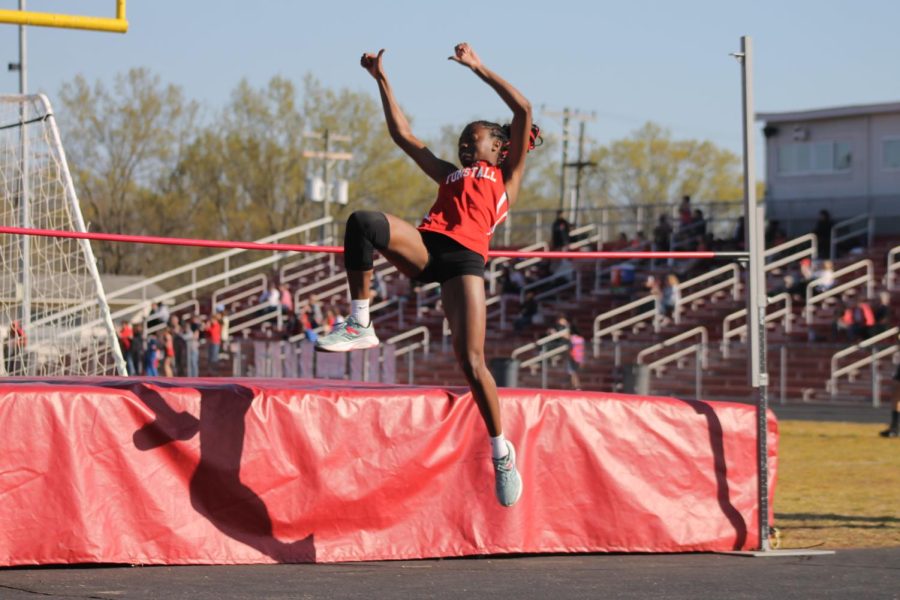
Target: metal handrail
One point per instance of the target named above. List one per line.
(893, 265)
(700, 349)
(410, 349)
(809, 253)
(853, 368)
(562, 333)
(614, 329)
(868, 279)
(733, 282)
(553, 291)
(785, 313)
(249, 287)
(493, 275)
(177, 310)
(869, 229)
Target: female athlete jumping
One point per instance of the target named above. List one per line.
(451, 245)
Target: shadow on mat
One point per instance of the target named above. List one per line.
(216, 490)
(717, 444)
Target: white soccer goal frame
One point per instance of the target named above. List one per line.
(57, 153)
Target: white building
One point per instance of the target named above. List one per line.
(844, 159)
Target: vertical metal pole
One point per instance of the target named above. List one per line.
(24, 198)
(876, 381)
(783, 375)
(756, 293)
(325, 175)
(698, 374)
(565, 159)
(578, 173)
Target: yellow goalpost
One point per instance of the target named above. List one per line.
(119, 24)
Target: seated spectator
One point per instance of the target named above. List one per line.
(797, 286)
(286, 299)
(527, 313)
(662, 234)
(824, 276)
(855, 320)
(671, 295)
(881, 310)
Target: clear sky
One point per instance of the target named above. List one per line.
(629, 61)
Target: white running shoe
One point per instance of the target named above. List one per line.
(506, 478)
(346, 336)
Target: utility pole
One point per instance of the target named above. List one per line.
(567, 116)
(327, 156)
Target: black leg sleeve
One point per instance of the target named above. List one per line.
(367, 231)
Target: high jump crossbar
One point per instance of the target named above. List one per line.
(119, 24)
(174, 241)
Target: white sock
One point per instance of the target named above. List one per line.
(499, 449)
(359, 310)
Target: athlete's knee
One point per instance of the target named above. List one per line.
(366, 231)
(472, 363)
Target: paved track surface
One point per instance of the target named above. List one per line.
(869, 574)
(846, 574)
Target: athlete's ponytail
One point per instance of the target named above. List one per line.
(534, 140)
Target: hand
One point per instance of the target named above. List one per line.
(372, 63)
(464, 55)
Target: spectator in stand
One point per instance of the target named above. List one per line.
(168, 352)
(621, 243)
(330, 319)
(774, 234)
(378, 290)
(191, 336)
(698, 228)
(286, 299)
(159, 315)
(125, 335)
(213, 342)
(559, 232)
(16, 341)
(893, 430)
(823, 233)
(796, 286)
(151, 357)
(685, 214)
(639, 241)
(527, 313)
(671, 295)
(737, 237)
(136, 351)
(662, 234)
(316, 311)
(854, 320)
(881, 310)
(825, 276)
(575, 356)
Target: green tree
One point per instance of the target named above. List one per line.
(122, 143)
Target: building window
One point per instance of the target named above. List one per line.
(891, 153)
(807, 158)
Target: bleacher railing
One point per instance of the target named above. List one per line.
(875, 354)
(852, 228)
(893, 265)
(410, 348)
(699, 349)
(544, 353)
(846, 278)
(785, 313)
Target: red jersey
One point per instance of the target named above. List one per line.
(471, 202)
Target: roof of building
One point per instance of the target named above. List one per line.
(857, 110)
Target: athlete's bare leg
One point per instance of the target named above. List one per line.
(464, 306)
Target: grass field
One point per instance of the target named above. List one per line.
(838, 486)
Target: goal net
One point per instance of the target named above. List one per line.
(54, 318)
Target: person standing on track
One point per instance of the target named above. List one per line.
(451, 245)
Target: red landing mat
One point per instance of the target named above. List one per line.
(229, 471)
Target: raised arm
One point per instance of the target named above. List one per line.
(520, 128)
(399, 127)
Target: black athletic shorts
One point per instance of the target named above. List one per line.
(447, 259)
(897, 374)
